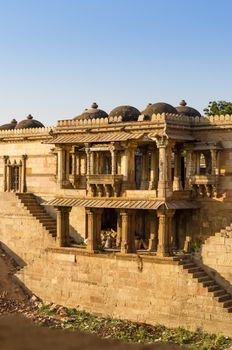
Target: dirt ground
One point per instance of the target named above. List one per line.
(19, 328)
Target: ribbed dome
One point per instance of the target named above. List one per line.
(159, 108)
(9, 126)
(128, 113)
(92, 113)
(185, 110)
(29, 123)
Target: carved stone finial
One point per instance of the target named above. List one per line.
(183, 103)
(13, 121)
(29, 116)
(94, 105)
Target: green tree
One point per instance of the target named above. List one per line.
(218, 107)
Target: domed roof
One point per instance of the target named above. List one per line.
(128, 113)
(9, 126)
(92, 113)
(185, 110)
(29, 123)
(158, 108)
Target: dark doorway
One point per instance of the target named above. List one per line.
(109, 219)
(14, 183)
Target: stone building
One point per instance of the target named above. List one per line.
(103, 207)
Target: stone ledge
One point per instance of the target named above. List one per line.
(117, 256)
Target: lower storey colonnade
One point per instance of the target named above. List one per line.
(149, 230)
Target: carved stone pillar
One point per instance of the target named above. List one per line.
(153, 232)
(177, 184)
(92, 243)
(163, 249)
(119, 225)
(127, 242)
(164, 184)
(62, 224)
(87, 150)
(213, 153)
(61, 176)
(170, 230)
(113, 162)
(190, 167)
(9, 175)
(5, 172)
(74, 166)
(217, 171)
(91, 163)
(154, 172)
(145, 169)
(128, 167)
(23, 187)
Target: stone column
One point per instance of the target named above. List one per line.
(98, 221)
(113, 162)
(119, 225)
(74, 165)
(23, 174)
(213, 153)
(164, 185)
(92, 239)
(127, 232)
(62, 226)
(61, 176)
(91, 163)
(170, 230)
(145, 169)
(162, 249)
(128, 167)
(217, 171)
(153, 232)
(5, 172)
(9, 174)
(177, 184)
(189, 168)
(154, 172)
(198, 163)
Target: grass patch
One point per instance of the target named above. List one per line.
(132, 332)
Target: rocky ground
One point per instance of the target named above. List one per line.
(21, 314)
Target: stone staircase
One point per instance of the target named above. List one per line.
(30, 202)
(214, 288)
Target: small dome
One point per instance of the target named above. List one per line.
(9, 126)
(128, 113)
(29, 123)
(185, 110)
(159, 108)
(92, 113)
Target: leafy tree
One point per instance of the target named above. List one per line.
(218, 107)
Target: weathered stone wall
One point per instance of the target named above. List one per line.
(140, 289)
(216, 254)
(20, 232)
(211, 216)
(40, 164)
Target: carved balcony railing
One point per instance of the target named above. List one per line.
(104, 185)
(204, 185)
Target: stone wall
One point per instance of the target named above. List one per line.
(20, 233)
(141, 289)
(217, 256)
(40, 164)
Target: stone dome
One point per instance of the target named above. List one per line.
(29, 123)
(128, 113)
(158, 108)
(186, 110)
(9, 126)
(92, 113)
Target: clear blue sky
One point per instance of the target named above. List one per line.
(57, 56)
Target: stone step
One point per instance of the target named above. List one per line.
(199, 274)
(210, 283)
(228, 303)
(224, 297)
(219, 292)
(204, 279)
(188, 265)
(195, 269)
(214, 288)
(229, 309)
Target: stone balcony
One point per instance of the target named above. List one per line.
(104, 185)
(204, 185)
